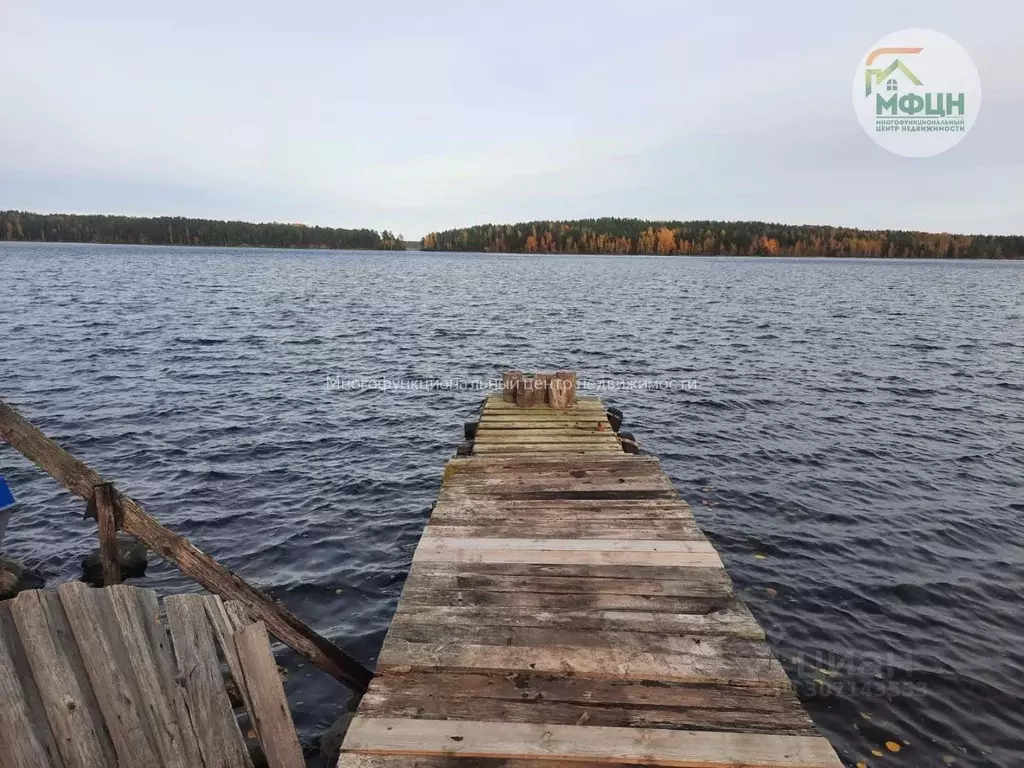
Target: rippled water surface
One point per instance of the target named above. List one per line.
(854, 446)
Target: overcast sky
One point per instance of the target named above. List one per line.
(424, 115)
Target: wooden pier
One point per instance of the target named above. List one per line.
(564, 607)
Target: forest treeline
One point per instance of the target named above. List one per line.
(175, 230)
(719, 238)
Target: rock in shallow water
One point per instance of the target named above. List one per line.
(15, 577)
(8, 583)
(330, 740)
(131, 556)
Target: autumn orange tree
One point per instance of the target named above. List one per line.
(719, 238)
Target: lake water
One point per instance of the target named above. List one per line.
(854, 445)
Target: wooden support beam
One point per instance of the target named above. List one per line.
(107, 522)
(80, 479)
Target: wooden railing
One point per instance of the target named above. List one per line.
(115, 511)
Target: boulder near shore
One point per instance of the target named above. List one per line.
(16, 577)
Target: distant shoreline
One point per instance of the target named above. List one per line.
(606, 236)
(25, 226)
(495, 254)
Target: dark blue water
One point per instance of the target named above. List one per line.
(854, 446)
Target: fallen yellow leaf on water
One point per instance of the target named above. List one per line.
(948, 759)
(251, 734)
(760, 556)
(877, 753)
(865, 715)
(862, 765)
(893, 746)
(819, 681)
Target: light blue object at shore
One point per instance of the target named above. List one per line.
(6, 502)
(6, 497)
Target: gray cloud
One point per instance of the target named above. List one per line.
(419, 116)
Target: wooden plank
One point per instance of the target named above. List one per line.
(652, 508)
(561, 579)
(540, 406)
(437, 705)
(560, 465)
(166, 669)
(60, 676)
(733, 618)
(550, 436)
(356, 760)
(99, 639)
(572, 470)
(80, 479)
(224, 634)
(239, 614)
(567, 557)
(25, 737)
(613, 574)
(543, 414)
(499, 415)
(559, 529)
(269, 712)
(510, 408)
(543, 519)
(556, 602)
(469, 494)
(598, 663)
(580, 409)
(489, 511)
(517, 486)
(607, 635)
(220, 740)
(437, 544)
(650, 746)
(526, 685)
(580, 403)
(710, 583)
(563, 449)
(153, 704)
(509, 423)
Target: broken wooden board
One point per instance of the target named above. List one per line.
(90, 678)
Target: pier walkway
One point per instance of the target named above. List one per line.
(564, 607)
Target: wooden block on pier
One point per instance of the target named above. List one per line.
(537, 390)
(562, 390)
(564, 608)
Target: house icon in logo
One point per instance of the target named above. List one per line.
(876, 76)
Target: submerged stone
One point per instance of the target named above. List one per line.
(131, 556)
(16, 577)
(331, 739)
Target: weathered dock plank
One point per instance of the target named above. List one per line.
(564, 607)
(89, 678)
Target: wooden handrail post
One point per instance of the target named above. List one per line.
(81, 480)
(107, 522)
